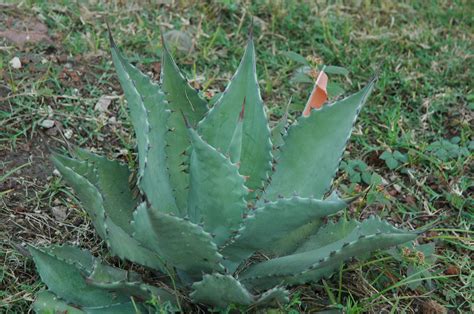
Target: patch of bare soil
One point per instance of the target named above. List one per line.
(28, 173)
(20, 29)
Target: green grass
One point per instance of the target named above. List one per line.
(422, 107)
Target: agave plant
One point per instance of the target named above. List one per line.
(211, 191)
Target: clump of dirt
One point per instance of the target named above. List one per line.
(21, 30)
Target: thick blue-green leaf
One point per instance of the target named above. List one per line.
(217, 192)
(68, 282)
(278, 132)
(271, 224)
(111, 179)
(81, 279)
(313, 148)
(86, 191)
(73, 255)
(276, 296)
(150, 118)
(180, 242)
(47, 302)
(117, 238)
(220, 291)
(234, 150)
(182, 99)
(322, 259)
(219, 125)
(138, 290)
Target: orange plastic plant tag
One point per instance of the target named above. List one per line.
(319, 94)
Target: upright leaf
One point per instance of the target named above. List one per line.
(150, 117)
(234, 150)
(219, 125)
(217, 192)
(182, 99)
(313, 148)
(279, 131)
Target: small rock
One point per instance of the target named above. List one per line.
(397, 188)
(56, 173)
(180, 40)
(15, 63)
(122, 152)
(59, 212)
(103, 103)
(47, 123)
(68, 133)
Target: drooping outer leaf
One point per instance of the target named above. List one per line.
(125, 282)
(81, 279)
(149, 115)
(217, 192)
(128, 283)
(182, 99)
(218, 126)
(67, 281)
(313, 148)
(163, 234)
(117, 238)
(313, 264)
(47, 302)
(274, 221)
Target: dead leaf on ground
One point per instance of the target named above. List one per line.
(452, 270)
